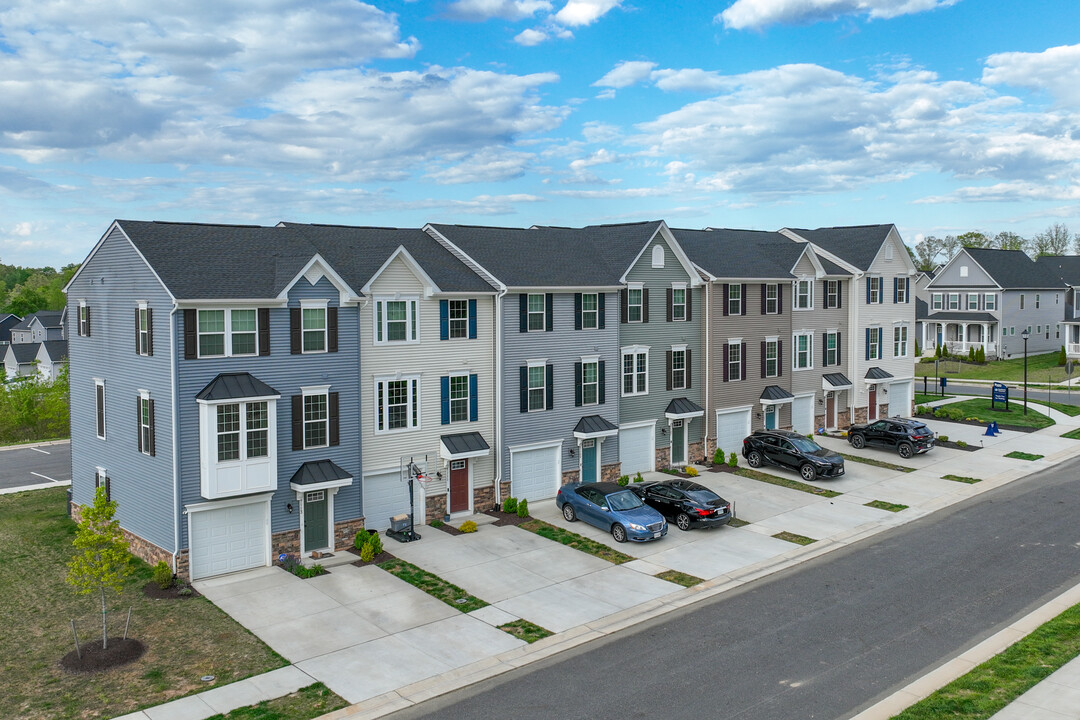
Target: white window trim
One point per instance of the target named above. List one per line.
(835, 334)
(902, 286)
(686, 296)
(990, 301)
(967, 303)
(776, 360)
(529, 313)
(144, 396)
(451, 399)
(227, 314)
(590, 360)
(795, 294)
(450, 319)
(880, 289)
(736, 288)
(243, 431)
(418, 399)
(99, 382)
(659, 257)
(950, 301)
(634, 350)
(79, 318)
(879, 333)
(809, 335)
(595, 313)
(528, 388)
(247, 474)
(937, 301)
(775, 287)
(737, 342)
(307, 391)
(675, 349)
(640, 287)
(379, 320)
(829, 284)
(906, 337)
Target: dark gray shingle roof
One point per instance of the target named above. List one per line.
(727, 253)
(921, 309)
(1013, 269)
(56, 349)
(1066, 267)
(837, 380)
(958, 316)
(856, 244)
(24, 352)
(318, 471)
(231, 386)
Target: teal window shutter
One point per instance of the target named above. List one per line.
(444, 388)
(444, 319)
(474, 402)
(472, 319)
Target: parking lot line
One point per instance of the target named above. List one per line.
(46, 452)
(43, 476)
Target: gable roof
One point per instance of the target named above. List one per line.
(728, 253)
(856, 244)
(47, 318)
(56, 350)
(6, 324)
(23, 352)
(1066, 267)
(1013, 269)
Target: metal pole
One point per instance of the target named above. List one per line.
(78, 651)
(1025, 375)
(128, 623)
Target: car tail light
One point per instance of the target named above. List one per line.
(704, 513)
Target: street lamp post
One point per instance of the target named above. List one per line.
(1025, 335)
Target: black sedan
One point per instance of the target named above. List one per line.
(784, 448)
(907, 437)
(686, 503)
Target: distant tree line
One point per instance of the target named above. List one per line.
(27, 290)
(1056, 239)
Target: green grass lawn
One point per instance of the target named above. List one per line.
(679, 578)
(433, 585)
(1041, 368)
(876, 463)
(786, 482)
(304, 704)
(1018, 455)
(525, 630)
(1072, 434)
(884, 505)
(1070, 410)
(979, 408)
(921, 399)
(185, 638)
(794, 538)
(578, 542)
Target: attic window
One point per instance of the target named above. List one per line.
(963, 271)
(658, 256)
(888, 252)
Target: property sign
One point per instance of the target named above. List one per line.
(1000, 395)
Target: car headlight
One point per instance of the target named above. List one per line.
(635, 526)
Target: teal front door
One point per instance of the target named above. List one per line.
(770, 417)
(588, 461)
(678, 442)
(316, 523)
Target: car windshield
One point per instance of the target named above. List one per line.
(703, 496)
(804, 444)
(624, 500)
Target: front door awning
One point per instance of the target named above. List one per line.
(319, 475)
(462, 446)
(594, 426)
(683, 409)
(877, 376)
(775, 395)
(831, 382)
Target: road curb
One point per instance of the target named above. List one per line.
(24, 446)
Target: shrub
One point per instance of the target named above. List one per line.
(937, 352)
(375, 541)
(437, 523)
(980, 356)
(470, 527)
(918, 352)
(360, 539)
(926, 360)
(733, 460)
(523, 508)
(690, 470)
(638, 478)
(971, 354)
(510, 505)
(718, 457)
(961, 443)
(943, 438)
(939, 412)
(624, 480)
(185, 591)
(1061, 356)
(367, 553)
(163, 575)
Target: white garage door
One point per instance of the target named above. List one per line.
(636, 449)
(731, 427)
(802, 414)
(900, 398)
(229, 539)
(385, 495)
(534, 474)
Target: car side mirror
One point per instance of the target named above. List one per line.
(605, 508)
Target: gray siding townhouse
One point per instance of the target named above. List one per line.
(1067, 267)
(39, 327)
(215, 392)
(984, 297)
(37, 345)
(775, 333)
(880, 311)
(6, 323)
(558, 345)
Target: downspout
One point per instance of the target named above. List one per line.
(853, 344)
(175, 431)
(706, 378)
(360, 401)
(498, 381)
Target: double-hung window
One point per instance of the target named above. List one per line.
(803, 344)
(458, 318)
(1022, 296)
(900, 340)
(772, 299)
(990, 301)
(804, 294)
(901, 289)
(242, 431)
(590, 382)
(937, 301)
(395, 320)
(590, 311)
(832, 341)
(459, 398)
(735, 299)
(873, 348)
(537, 387)
(734, 360)
(678, 368)
(212, 333)
(954, 301)
(537, 311)
(635, 372)
(146, 423)
(973, 301)
(313, 329)
(224, 333)
(772, 357)
(84, 319)
(678, 304)
(832, 294)
(1036, 301)
(316, 420)
(634, 300)
(99, 406)
(143, 340)
(397, 403)
(874, 284)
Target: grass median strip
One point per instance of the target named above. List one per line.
(991, 686)
(304, 704)
(876, 463)
(794, 538)
(883, 505)
(525, 630)
(1017, 455)
(961, 478)
(578, 542)
(738, 522)
(1072, 434)
(786, 482)
(979, 409)
(921, 399)
(433, 585)
(679, 578)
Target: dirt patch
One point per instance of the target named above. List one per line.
(448, 529)
(504, 518)
(956, 446)
(173, 592)
(95, 659)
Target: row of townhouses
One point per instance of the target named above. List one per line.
(246, 391)
(33, 345)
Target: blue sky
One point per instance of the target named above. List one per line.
(940, 116)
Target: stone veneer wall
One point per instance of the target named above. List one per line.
(696, 451)
(610, 473)
(483, 498)
(843, 419)
(710, 447)
(663, 457)
(569, 476)
(287, 542)
(883, 410)
(436, 507)
(345, 533)
(139, 547)
(504, 489)
(860, 415)
(819, 421)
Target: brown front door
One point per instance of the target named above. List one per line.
(459, 485)
(830, 411)
(871, 412)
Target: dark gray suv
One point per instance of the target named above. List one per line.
(791, 450)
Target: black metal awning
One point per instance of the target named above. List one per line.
(683, 408)
(593, 426)
(235, 386)
(319, 475)
(463, 445)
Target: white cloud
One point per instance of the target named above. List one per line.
(600, 157)
(487, 165)
(626, 73)
(1055, 70)
(693, 79)
(577, 13)
(595, 131)
(505, 9)
(756, 14)
(529, 37)
(1006, 192)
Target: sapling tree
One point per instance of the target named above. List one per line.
(102, 561)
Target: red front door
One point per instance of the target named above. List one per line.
(459, 485)
(830, 411)
(871, 412)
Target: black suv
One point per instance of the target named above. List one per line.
(908, 437)
(792, 450)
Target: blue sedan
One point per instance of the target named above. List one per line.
(611, 507)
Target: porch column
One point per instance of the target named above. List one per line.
(985, 333)
(965, 333)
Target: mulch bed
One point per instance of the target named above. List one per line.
(723, 467)
(94, 659)
(380, 558)
(979, 423)
(503, 518)
(153, 590)
(954, 446)
(449, 529)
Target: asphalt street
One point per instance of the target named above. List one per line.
(954, 387)
(825, 639)
(42, 465)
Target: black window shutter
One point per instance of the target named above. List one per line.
(763, 293)
(726, 295)
(335, 419)
(108, 488)
(763, 372)
(444, 319)
(87, 321)
(577, 311)
(624, 302)
(669, 302)
(600, 382)
(264, 331)
(138, 421)
(190, 336)
(645, 305)
(668, 359)
(153, 429)
(689, 369)
(577, 384)
(474, 399)
(524, 385)
(689, 304)
(824, 349)
(725, 362)
(331, 330)
(839, 294)
(294, 331)
(100, 392)
(549, 311)
(742, 363)
(895, 289)
(838, 360)
(780, 298)
(297, 422)
(780, 358)
(149, 331)
(550, 387)
(138, 350)
(742, 300)
(523, 312)
(472, 319)
(600, 311)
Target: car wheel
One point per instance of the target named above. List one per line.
(857, 441)
(905, 450)
(568, 512)
(619, 533)
(808, 472)
(754, 459)
(682, 521)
